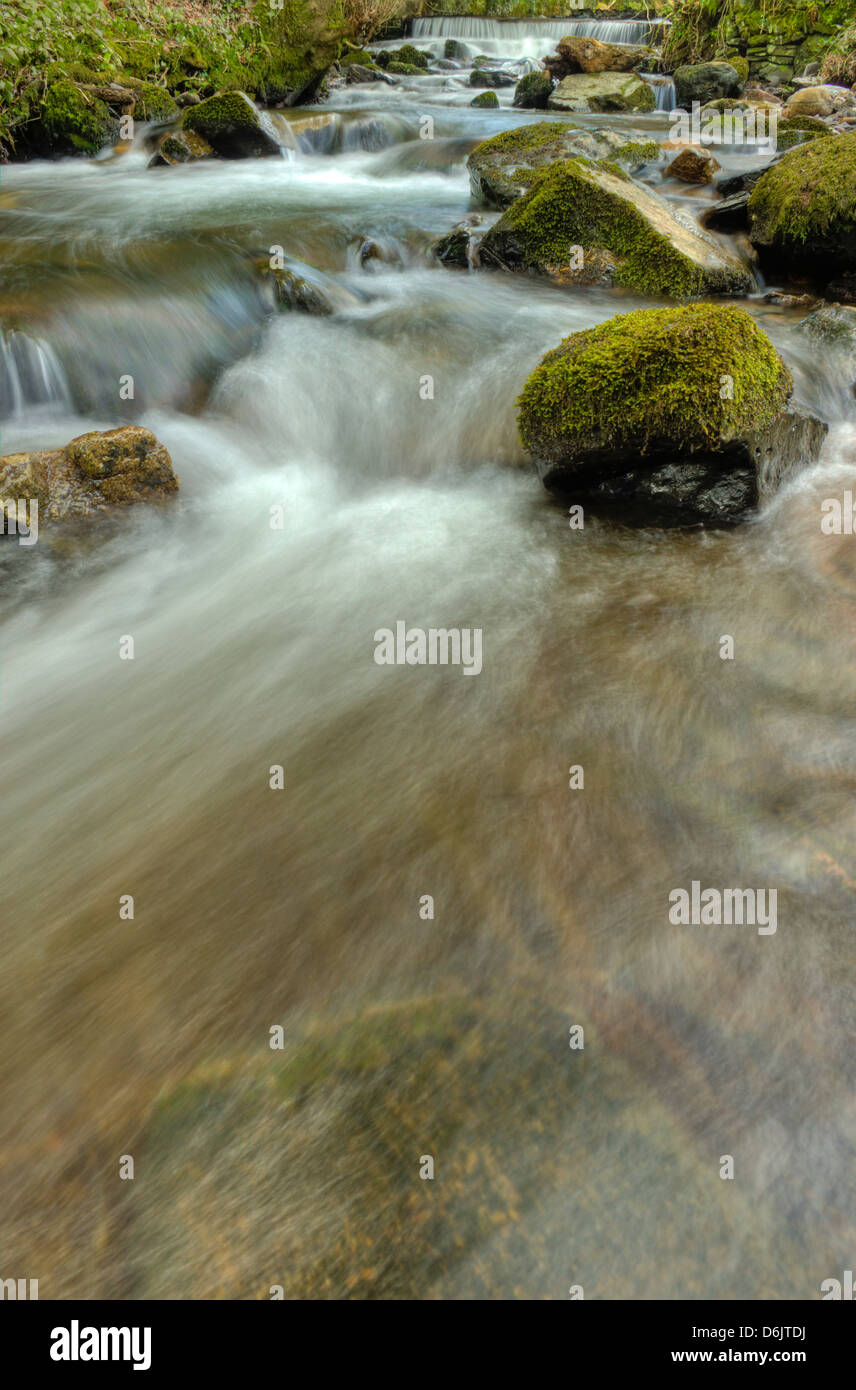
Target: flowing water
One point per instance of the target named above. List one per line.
(407, 1034)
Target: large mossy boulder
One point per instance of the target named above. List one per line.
(93, 473)
(703, 82)
(232, 125)
(801, 210)
(504, 167)
(667, 416)
(605, 91)
(533, 91)
(578, 216)
(73, 121)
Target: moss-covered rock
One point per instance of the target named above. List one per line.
(408, 54)
(795, 130)
(703, 82)
(673, 414)
(405, 69)
(575, 210)
(232, 126)
(740, 65)
(504, 167)
(801, 209)
(95, 472)
(533, 91)
(486, 99)
(75, 122)
(605, 91)
(153, 103)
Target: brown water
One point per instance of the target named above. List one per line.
(405, 1036)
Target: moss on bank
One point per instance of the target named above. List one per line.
(169, 45)
(655, 374)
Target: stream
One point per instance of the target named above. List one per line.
(254, 647)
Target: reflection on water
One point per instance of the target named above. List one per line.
(406, 1034)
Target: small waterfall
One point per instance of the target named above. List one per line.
(478, 29)
(30, 376)
(664, 89)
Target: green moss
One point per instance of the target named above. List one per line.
(567, 207)
(405, 69)
(637, 152)
(407, 54)
(75, 121)
(154, 103)
(228, 111)
(655, 374)
(806, 200)
(740, 65)
(795, 130)
(485, 99)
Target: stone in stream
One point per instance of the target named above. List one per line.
(674, 416)
(577, 211)
(703, 82)
(605, 91)
(485, 99)
(486, 77)
(460, 52)
(692, 165)
(232, 125)
(796, 130)
(93, 473)
(818, 101)
(181, 147)
(834, 325)
(533, 91)
(801, 210)
(356, 73)
(728, 215)
(576, 53)
(505, 167)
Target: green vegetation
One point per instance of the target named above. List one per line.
(485, 99)
(173, 45)
(655, 374)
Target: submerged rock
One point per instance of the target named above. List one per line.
(94, 472)
(801, 209)
(667, 416)
(232, 126)
(605, 91)
(703, 82)
(575, 210)
(533, 91)
(487, 77)
(505, 166)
